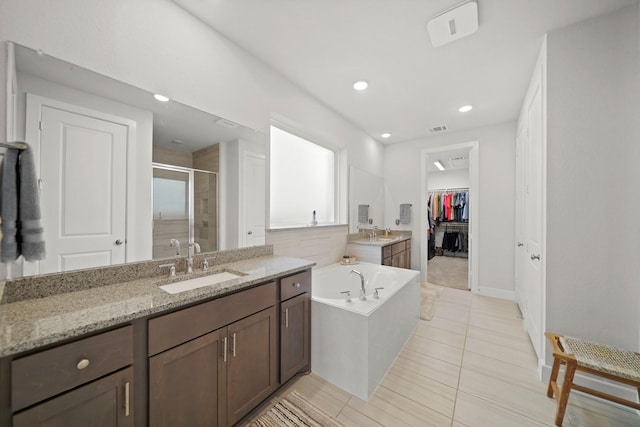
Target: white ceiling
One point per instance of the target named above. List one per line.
(324, 46)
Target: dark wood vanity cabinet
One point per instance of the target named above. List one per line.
(397, 254)
(295, 324)
(88, 379)
(207, 364)
(219, 377)
(106, 402)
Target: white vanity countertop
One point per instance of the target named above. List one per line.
(30, 323)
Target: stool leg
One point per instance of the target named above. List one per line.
(564, 393)
(554, 375)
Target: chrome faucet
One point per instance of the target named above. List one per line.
(193, 246)
(362, 291)
(175, 243)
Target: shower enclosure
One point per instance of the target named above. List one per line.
(185, 207)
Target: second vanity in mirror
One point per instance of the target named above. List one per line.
(121, 174)
(385, 247)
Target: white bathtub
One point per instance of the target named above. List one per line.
(354, 343)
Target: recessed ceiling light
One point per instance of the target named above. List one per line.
(465, 108)
(160, 98)
(385, 135)
(438, 165)
(360, 85)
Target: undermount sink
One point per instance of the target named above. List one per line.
(199, 282)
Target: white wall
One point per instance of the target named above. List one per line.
(402, 171)
(593, 234)
(456, 178)
(157, 46)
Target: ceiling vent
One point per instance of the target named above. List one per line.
(437, 129)
(226, 123)
(453, 24)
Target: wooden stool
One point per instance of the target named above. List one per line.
(596, 359)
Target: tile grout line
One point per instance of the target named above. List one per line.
(466, 331)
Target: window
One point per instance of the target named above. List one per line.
(303, 179)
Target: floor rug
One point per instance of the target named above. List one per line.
(429, 296)
(295, 411)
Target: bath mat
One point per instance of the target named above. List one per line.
(429, 296)
(294, 411)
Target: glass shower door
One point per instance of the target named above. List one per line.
(171, 210)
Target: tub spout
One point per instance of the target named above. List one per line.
(362, 291)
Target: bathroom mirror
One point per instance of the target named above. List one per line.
(366, 199)
(167, 145)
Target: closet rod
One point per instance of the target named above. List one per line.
(16, 144)
(441, 190)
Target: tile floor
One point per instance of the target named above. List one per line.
(472, 365)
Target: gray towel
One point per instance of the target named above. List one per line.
(21, 228)
(363, 213)
(405, 213)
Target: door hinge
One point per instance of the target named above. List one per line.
(40, 125)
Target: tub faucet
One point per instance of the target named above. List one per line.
(362, 292)
(193, 246)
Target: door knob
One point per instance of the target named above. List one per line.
(520, 244)
(534, 257)
(119, 242)
(250, 232)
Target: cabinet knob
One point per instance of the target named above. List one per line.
(296, 285)
(83, 363)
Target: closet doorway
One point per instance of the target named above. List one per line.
(448, 246)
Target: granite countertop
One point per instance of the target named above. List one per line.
(30, 323)
(380, 240)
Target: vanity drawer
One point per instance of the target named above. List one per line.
(41, 375)
(295, 285)
(184, 325)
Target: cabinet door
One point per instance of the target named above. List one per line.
(399, 260)
(295, 334)
(252, 363)
(186, 383)
(104, 403)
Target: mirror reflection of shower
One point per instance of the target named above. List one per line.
(185, 207)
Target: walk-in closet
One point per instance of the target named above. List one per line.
(448, 214)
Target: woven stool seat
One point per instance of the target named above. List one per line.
(604, 361)
(604, 358)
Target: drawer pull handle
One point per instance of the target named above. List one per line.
(83, 363)
(286, 317)
(296, 284)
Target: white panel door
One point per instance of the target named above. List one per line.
(84, 178)
(533, 219)
(254, 174)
